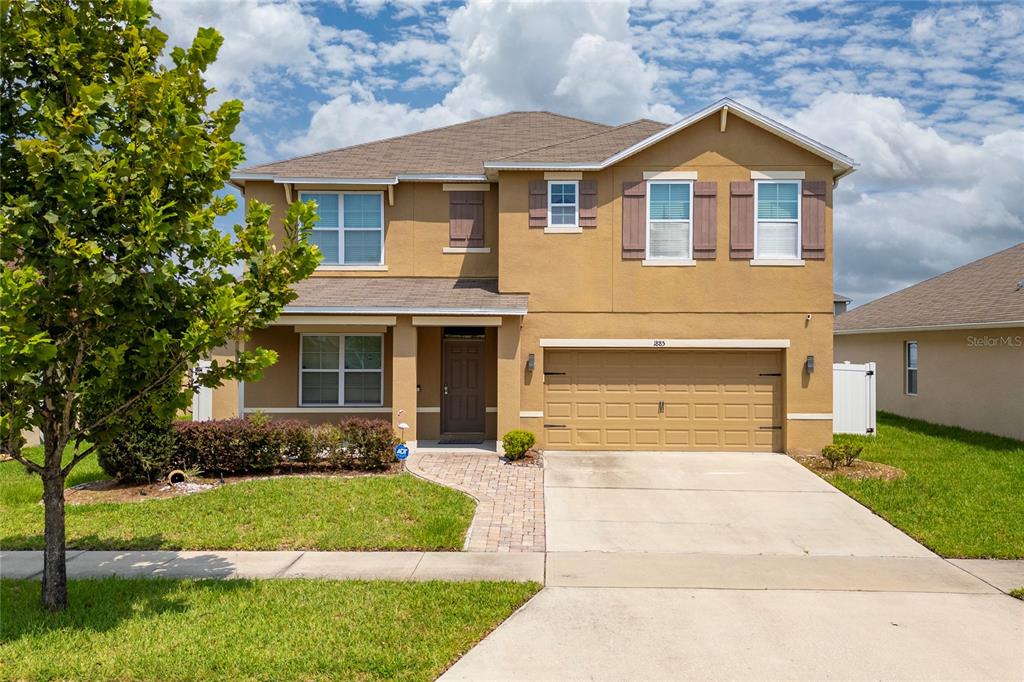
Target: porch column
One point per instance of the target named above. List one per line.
(403, 377)
(510, 375)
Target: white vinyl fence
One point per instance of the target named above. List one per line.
(202, 400)
(853, 398)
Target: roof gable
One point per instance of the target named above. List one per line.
(989, 291)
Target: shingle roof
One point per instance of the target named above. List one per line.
(987, 291)
(455, 149)
(404, 295)
(592, 148)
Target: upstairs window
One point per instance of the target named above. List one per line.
(669, 227)
(342, 370)
(350, 227)
(910, 379)
(777, 226)
(563, 204)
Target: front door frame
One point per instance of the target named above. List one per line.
(446, 342)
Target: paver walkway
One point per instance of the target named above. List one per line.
(510, 510)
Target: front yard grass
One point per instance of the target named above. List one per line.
(156, 629)
(963, 495)
(396, 512)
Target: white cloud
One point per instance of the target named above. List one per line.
(921, 203)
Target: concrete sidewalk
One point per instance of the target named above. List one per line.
(330, 565)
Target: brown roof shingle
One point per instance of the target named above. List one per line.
(990, 290)
(594, 148)
(455, 149)
(404, 295)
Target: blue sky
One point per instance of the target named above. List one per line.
(927, 97)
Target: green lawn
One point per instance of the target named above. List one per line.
(249, 630)
(963, 495)
(399, 512)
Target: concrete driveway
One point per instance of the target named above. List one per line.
(743, 566)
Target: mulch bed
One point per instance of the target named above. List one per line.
(532, 458)
(96, 492)
(860, 469)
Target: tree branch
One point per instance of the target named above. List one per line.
(131, 401)
(29, 464)
(79, 456)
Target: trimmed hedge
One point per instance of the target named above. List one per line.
(243, 446)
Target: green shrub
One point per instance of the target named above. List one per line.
(296, 440)
(517, 442)
(370, 443)
(834, 454)
(143, 450)
(851, 453)
(228, 446)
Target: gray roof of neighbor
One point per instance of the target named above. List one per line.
(987, 291)
(839, 298)
(456, 149)
(404, 295)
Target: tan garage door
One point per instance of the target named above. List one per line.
(662, 400)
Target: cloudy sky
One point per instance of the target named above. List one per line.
(928, 98)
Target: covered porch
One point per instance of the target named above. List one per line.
(439, 358)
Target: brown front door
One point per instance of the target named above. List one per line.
(462, 392)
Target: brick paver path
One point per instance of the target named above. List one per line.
(510, 513)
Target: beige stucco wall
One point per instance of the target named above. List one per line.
(415, 230)
(971, 378)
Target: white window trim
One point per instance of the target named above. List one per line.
(907, 368)
(341, 371)
(562, 227)
(341, 230)
(667, 260)
(775, 260)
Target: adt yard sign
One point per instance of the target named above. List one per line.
(401, 451)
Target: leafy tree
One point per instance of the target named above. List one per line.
(116, 281)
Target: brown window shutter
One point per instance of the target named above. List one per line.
(538, 203)
(588, 203)
(741, 220)
(812, 218)
(466, 219)
(634, 220)
(705, 220)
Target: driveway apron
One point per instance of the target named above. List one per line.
(743, 566)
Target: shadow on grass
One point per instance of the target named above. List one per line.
(988, 441)
(104, 591)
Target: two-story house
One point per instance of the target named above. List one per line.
(637, 287)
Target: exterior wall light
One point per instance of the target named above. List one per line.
(809, 364)
(531, 362)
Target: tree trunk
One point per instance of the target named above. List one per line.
(55, 574)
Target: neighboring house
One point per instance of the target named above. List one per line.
(949, 350)
(839, 304)
(637, 287)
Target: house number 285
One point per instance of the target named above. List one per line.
(658, 343)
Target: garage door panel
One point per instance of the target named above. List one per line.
(663, 399)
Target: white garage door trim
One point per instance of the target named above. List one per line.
(664, 343)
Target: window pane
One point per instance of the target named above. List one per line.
(327, 242)
(912, 355)
(362, 387)
(563, 215)
(362, 246)
(776, 201)
(777, 240)
(670, 202)
(363, 210)
(670, 240)
(320, 388)
(912, 381)
(326, 208)
(563, 193)
(362, 352)
(320, 352)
